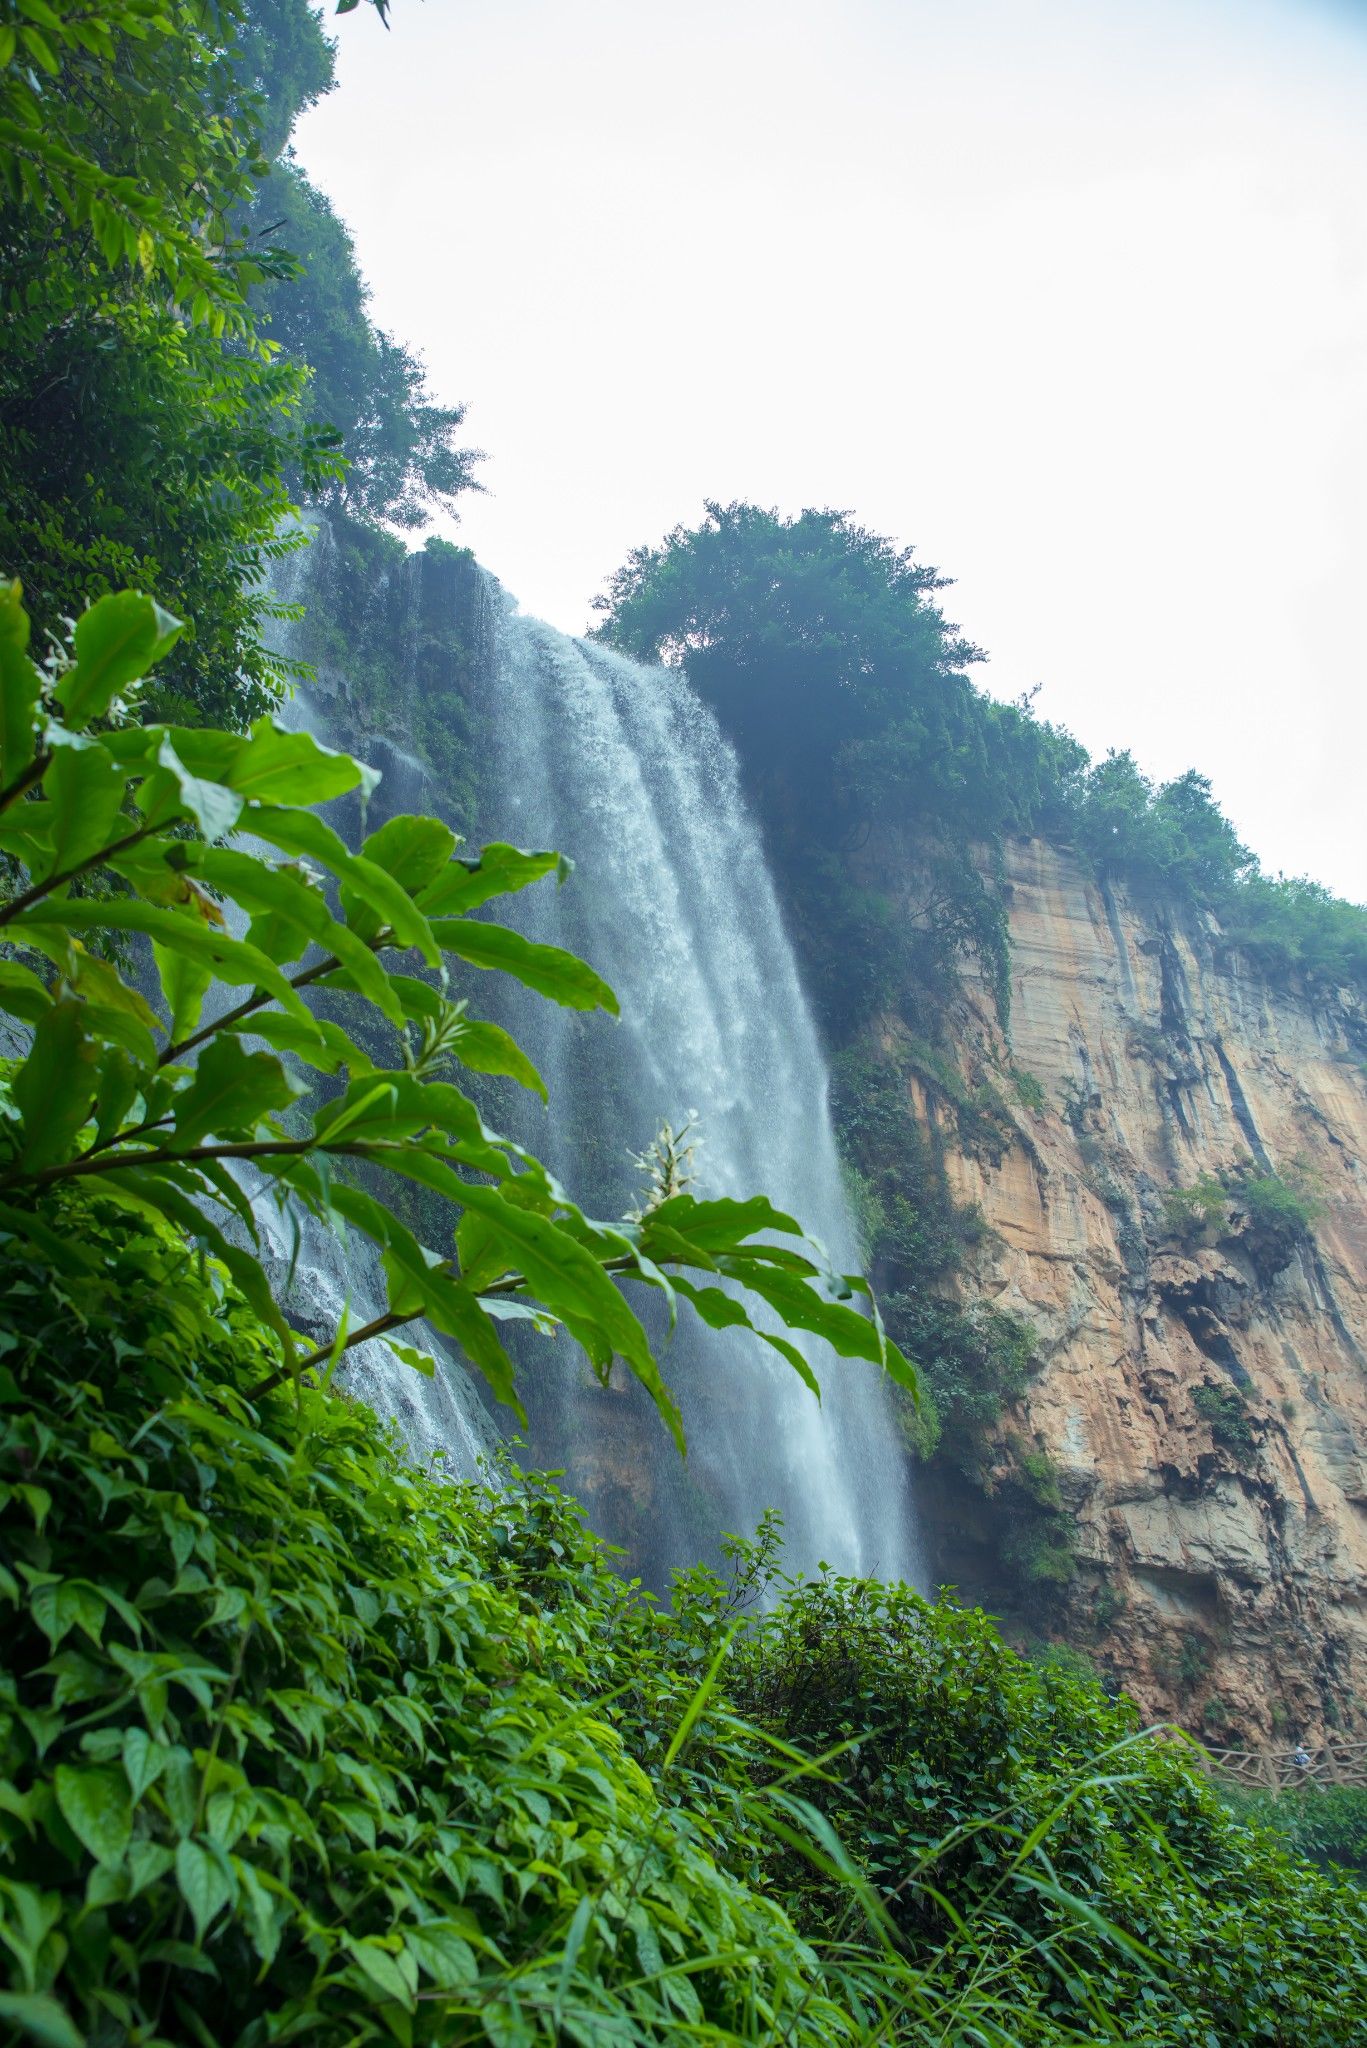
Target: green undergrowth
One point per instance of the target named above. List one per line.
(299, 1743)
(1326, 1823)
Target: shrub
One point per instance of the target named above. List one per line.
(1195, 1211)
(1275, 1205)
(284, 1741)
(1226, 1410)
(1029, 1091)
(948, 1755)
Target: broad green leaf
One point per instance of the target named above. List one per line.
(718, 1310)
(204, 1884)
(288, 913)
(143, 1761)
(22, 994)
(96, 1805)
(38, 2017)
(320, 1043)
(552, 972)
(411, 849)
(185, 981)
(399, 1105)
(382, 1969)
(117, 640)
(86, 791)
(295, 831)
(233, 961)
(21, 688)
(441, 1952)
(419, 998)
(499, 871)
(214, 809)
(458, 1314)
(488, 1049)
(416, 1361)
(55, 1088)
(569, 1281)
(720, 1225)
(114, 1011)
(232, 1090)
(119, 1083)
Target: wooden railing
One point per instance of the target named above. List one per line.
(1278, 1770)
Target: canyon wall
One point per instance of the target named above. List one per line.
(1201, 1391)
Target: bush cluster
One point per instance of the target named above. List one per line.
(298, 1743)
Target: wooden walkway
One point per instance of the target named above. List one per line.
(1276, 1770)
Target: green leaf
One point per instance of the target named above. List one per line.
(119, 1084)
(143, 1761)
(22, 994)
(411, 849)
(39, 2018)
(21, 687)
(295, 831)
(552, 972)
(116, 642)
(96, 1805)
(185, 981)
(720, 1225)
(488, 1049)
(181, 932)
(417, 1361)
(56, 1086)
(114, 1011)
(499, 871)
(86, 791)
(232, 1091)
(568, 1280)
(320, 1043)
(382, 1969)
(214, 809)
(204, 1884)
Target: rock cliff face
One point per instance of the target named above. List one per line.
(1202, 1391)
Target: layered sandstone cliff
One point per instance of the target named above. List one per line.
(1221, 1535)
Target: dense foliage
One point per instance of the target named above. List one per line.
(153, 429)
(825, 652)
(288, 1748)
(296, 1743)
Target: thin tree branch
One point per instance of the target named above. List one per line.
(12, 909)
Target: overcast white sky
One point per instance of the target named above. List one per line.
(1069, 294)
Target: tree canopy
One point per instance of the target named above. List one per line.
(825, 651)
(155, 428)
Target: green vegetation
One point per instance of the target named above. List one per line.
(1273, 1204)
(316, 1745)
(1198, 1210)
(1325, 1823)
(974, 1361)
(1268, 1203)
(826, 654)
(1029, 1091)
(1226, 1410)
(153, 430)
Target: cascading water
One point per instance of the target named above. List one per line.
(624, 770)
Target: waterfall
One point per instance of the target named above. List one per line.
(624, 770)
